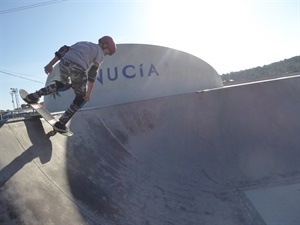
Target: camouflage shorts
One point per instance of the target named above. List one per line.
(74, 72)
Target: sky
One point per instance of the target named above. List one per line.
(229, 35)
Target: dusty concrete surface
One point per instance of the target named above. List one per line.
(185, 159)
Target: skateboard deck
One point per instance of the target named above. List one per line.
(45, 114)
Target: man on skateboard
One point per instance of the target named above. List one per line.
(74, 63)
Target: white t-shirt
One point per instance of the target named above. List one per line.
(85, 53)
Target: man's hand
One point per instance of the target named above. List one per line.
(90, 87)
(48, 68)
(87, 97)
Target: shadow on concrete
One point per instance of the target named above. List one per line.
(41, 148)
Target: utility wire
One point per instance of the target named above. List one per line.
(14, 75)
(31, 6)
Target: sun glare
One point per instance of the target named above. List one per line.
(196, 24)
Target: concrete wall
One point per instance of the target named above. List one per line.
(138, 72)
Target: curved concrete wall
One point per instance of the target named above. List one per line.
(139, 72)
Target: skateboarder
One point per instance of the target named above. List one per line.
(75, 61)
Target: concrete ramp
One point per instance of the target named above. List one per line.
(226, 156)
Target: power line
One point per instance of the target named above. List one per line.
(31, 6)
(25, 78)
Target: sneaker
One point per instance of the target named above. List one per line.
(60, 127)
(31, 98)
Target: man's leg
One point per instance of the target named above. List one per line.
(77, 104)
(58, 86)
(79, 81)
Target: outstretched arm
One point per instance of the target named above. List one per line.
(49, 67)
(60, 53)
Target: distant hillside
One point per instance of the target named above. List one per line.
(286, 67)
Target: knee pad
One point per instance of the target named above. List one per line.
(61, 86)
(79, 101)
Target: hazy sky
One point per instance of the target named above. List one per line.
(229, 35)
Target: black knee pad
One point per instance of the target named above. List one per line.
(59, 84)
(79, 101)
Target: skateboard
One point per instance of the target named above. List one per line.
(45, 114)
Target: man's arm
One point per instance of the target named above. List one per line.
(49, 67)
(58, 55)
(91, 80)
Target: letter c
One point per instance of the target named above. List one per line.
(125, 74)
